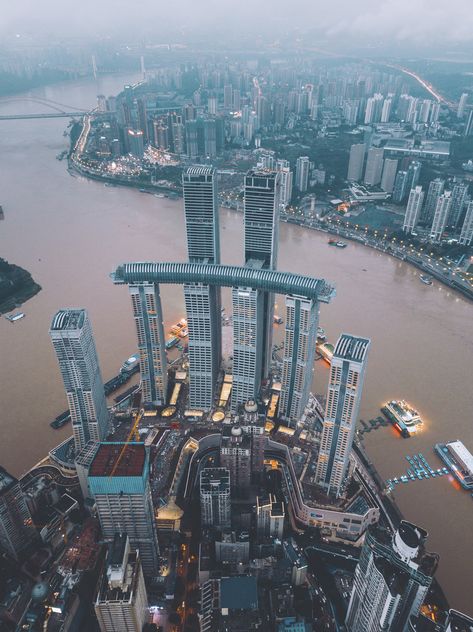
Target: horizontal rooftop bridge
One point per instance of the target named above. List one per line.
(225, 276)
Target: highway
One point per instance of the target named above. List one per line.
(425, 84)
(49, 115)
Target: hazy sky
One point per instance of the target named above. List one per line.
(426, 21)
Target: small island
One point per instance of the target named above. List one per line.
(16, 286)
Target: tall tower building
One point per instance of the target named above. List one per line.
(215, 498)
(16, 526)
(119, 482)
(459, 197)
(73, 342)
(392, 579)
(235, 456)
(413, 209)
(302, 315)
(148, 316)
(269, 517)
(468, 131)
(462, 105)
(413, 175)
(284, 168)
(253, 310)
(355, 165)
(400, 187)
(442, 211)
(434, 192)
(389, 175)
(199, 184)
(345, 387)
(466, 235)
(302, 173)
(121, 602)
(374, 166)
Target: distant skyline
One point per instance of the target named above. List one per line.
(343, 23)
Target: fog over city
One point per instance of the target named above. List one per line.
(417, 22)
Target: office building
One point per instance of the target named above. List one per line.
(148, 317)
(119, 483)
(400, 187)
(413, 209)
(215, 497)
(210, 138)
(284, 168)
(253, 310)
(203, 309)
(459, 198)
(466, 235)
(374, 166)
(302, 173)
(192, 138)
(73, 342)
(302, 315)
(462, 105)
(269, 517)
(392, 579)
(121, 603)
(435, 190)
(355, 165)
(441, 214)
(389, 175)
(16, 526)
(235, 456)
(136, 142)
(345, 388)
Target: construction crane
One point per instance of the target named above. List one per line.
(134, 434)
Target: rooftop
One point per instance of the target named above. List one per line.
(199, 170)
(6, 480)
(351, 348)
(131, 463)
(68, 319)
(238, 593)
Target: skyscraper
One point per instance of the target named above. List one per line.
(121, 602)
(355, 165)
(468, 131)
(466, 235)
(413, 209)
(392, 579)
(136, 142)
(215, 497)
(148, 316)
(459, 197)
(199, 184)
(253, 309)
(434, 192)
(389, 175)
(345, 387)
(302, 173)
(442, 211)
(400, 187)
(302, 316)
(73, 342)
(374, 166)
(462, 105)
(284, 168)
(119, 482)
(413, 175)
(16, 526)
(235, 456)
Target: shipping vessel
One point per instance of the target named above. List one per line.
(425, 278)
(459, 461)
(14, 317)
(337, 244)
(403, 417)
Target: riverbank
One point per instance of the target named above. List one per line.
(16, 286)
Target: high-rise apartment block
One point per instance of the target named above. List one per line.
(400, 187)
(435, 190)
(119, 483)
(215, 497)
(235, 456)
(269, 517)
(462, 105)
(73, 342)
(199, 184)
(298, 359)
(459, 198)
(355, 165)
(442, 211)
(345, 387)
(466, 235)
(392, 579)
(121, 602)
(148, 317)
(16, 526)
(284, 168)
(374, 166)
(413, 209)
(389, 175)
(302, 173)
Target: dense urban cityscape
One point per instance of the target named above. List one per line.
(229, 476)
